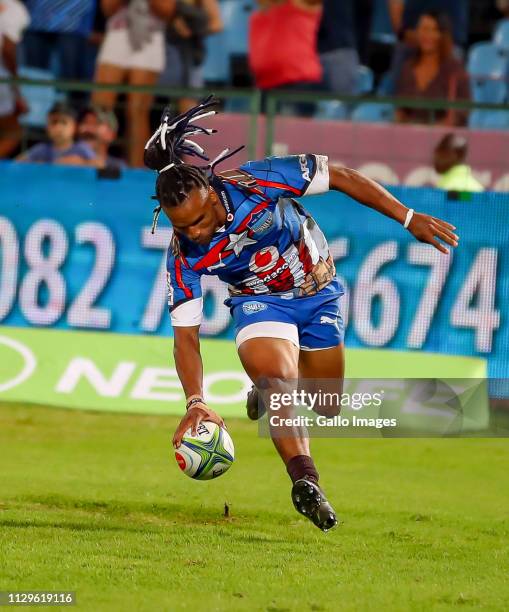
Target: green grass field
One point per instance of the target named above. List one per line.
(95, 503)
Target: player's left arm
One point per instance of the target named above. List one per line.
(366, 191)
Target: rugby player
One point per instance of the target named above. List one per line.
(244, 227)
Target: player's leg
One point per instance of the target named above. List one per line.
(322, 359)
(314, 366)
(277, 359)
(323, 368)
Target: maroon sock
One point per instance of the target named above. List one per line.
(302, 466)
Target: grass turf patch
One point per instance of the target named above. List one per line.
(95, 503)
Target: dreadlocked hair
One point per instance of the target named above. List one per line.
(173, 187)
(166, 148)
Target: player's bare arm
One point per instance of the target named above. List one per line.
(188, 362)
(366, 191)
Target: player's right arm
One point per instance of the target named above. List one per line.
(186, 350)
(186, 305)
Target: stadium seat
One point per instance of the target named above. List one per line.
(489, 120)
(371, 112)
(488, 72)
(330, 110)
(501, 36)
(365, 80)
(40, 98)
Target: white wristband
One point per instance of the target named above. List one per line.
(409, 215)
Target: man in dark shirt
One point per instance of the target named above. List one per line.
(337, 46)
(98, 128)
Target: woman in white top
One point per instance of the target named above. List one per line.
(14, 18)
(133, 52)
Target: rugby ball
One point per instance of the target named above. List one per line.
(206, 455)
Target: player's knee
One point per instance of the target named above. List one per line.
(279, 374)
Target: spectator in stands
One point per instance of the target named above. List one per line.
(450, 163)
(99, 128)
(13, 20)
(61, 148)
(433, 72)
(133, 51)
(282, 45)
(193, 21)
(59, 30)
(337, 45)
(405, 15)
(503, 7)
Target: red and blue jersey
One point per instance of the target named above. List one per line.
(269, 245)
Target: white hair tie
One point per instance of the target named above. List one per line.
(168, 167)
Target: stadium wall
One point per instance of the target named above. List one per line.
(77, 253)
(390, 153)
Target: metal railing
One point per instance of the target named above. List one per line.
(253, 101)
(251, 97)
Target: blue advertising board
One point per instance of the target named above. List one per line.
(76, 252)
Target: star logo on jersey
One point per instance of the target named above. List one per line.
(238, 242)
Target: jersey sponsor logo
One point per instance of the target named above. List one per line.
(275, 271)
(261, 223)
(264, 259)
(250, 308)
(303, 161)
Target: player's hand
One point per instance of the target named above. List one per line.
(427, 229)
(193, 417)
